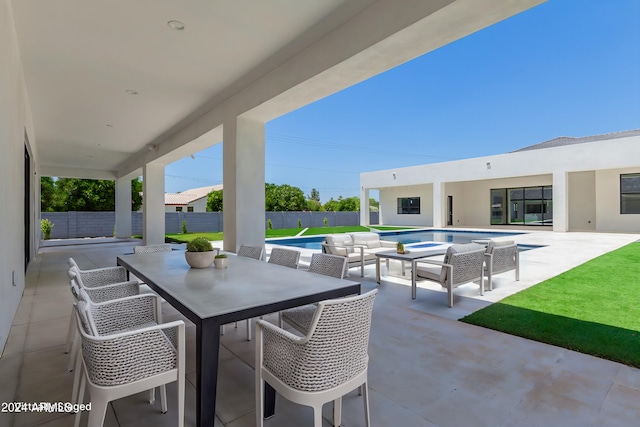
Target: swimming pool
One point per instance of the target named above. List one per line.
(416, 238)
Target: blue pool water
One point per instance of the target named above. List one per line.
(418, 238)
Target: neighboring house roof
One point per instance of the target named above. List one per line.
(189, 196)
(570, 140)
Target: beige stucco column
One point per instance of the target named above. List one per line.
(560, 201)
(243, 156)
(438, 205)
(123, 208)
(153, 228)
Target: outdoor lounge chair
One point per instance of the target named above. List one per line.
(501, 257)
(462, 264)
(118, 361)
(343, 245)
(328, 362)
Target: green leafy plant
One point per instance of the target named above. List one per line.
(299, 223)
(199, 244)
(219, 256)
(46, 226)
(269, 224)
(184, 226)
(326, 222)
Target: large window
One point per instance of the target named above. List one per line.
(408, 205)
(522, 205)
(630, 193)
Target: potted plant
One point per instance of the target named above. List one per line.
(400, 247)
(220, 261)
(199, 253)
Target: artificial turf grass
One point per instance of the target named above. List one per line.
(593, 308)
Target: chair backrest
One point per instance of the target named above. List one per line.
(504, 256)
(248, 251)
(286, 257)
(339, 337)
(151, 249)
(329, 265)
(467, 261)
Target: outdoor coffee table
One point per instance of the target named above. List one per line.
(412, 256)
(212, 297)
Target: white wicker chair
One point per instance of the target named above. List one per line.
(286, 257)
(462, 264)
(501, 257)
(152, 249)
(119, 364)
(330, 361)
(301, 317)
(102, 284)
(254, 252)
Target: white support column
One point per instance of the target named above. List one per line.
(364, 207)
(560, 201)
(438, 205)
(123, 208)
(153, 204)
(243, 155)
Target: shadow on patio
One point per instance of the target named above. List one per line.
(426, 368)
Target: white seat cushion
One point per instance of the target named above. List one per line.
(344, 240)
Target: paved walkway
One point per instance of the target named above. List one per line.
(426, 368)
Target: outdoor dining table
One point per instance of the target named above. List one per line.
(212, 297)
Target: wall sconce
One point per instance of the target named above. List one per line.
(394, 175)
(488, 165)
(152, 147)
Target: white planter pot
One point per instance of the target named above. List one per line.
(220, 262)
(199, 259)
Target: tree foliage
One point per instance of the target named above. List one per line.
(315, 195)
(278, 198)
(88, 195)
(214, 201)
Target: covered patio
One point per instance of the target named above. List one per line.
(426, 368)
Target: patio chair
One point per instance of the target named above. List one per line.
(119, 364)
(501, 257)
(462, 264)
(285, 257)
(151, 249)
(328, 362)
(343, 245)
(102, 284)
(301, 317)
(254, 252)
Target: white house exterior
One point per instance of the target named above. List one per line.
(192, 200)
(565, 184)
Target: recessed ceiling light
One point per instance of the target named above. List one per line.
(131, 92)
(176, 25)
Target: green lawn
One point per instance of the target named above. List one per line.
(593, 308)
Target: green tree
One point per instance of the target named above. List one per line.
(374, 205)
(47, 194)
(214, 201)
(315, 195)
(283, 197)
(314, 206)
(93, 195)
(332, 205)
(350, 204)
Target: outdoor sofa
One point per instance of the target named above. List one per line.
(359, 248)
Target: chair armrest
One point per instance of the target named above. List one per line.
(113, 291)
(433, 262)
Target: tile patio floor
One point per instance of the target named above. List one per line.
(426, 368)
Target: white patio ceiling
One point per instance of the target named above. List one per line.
(252, 57)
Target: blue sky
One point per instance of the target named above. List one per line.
(564, 68)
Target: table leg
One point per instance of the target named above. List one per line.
(413, 279)
(378, 269)
(207, 352)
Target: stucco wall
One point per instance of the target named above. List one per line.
(389, 202)
(608, 216)
(582, 201)
(15, 118)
